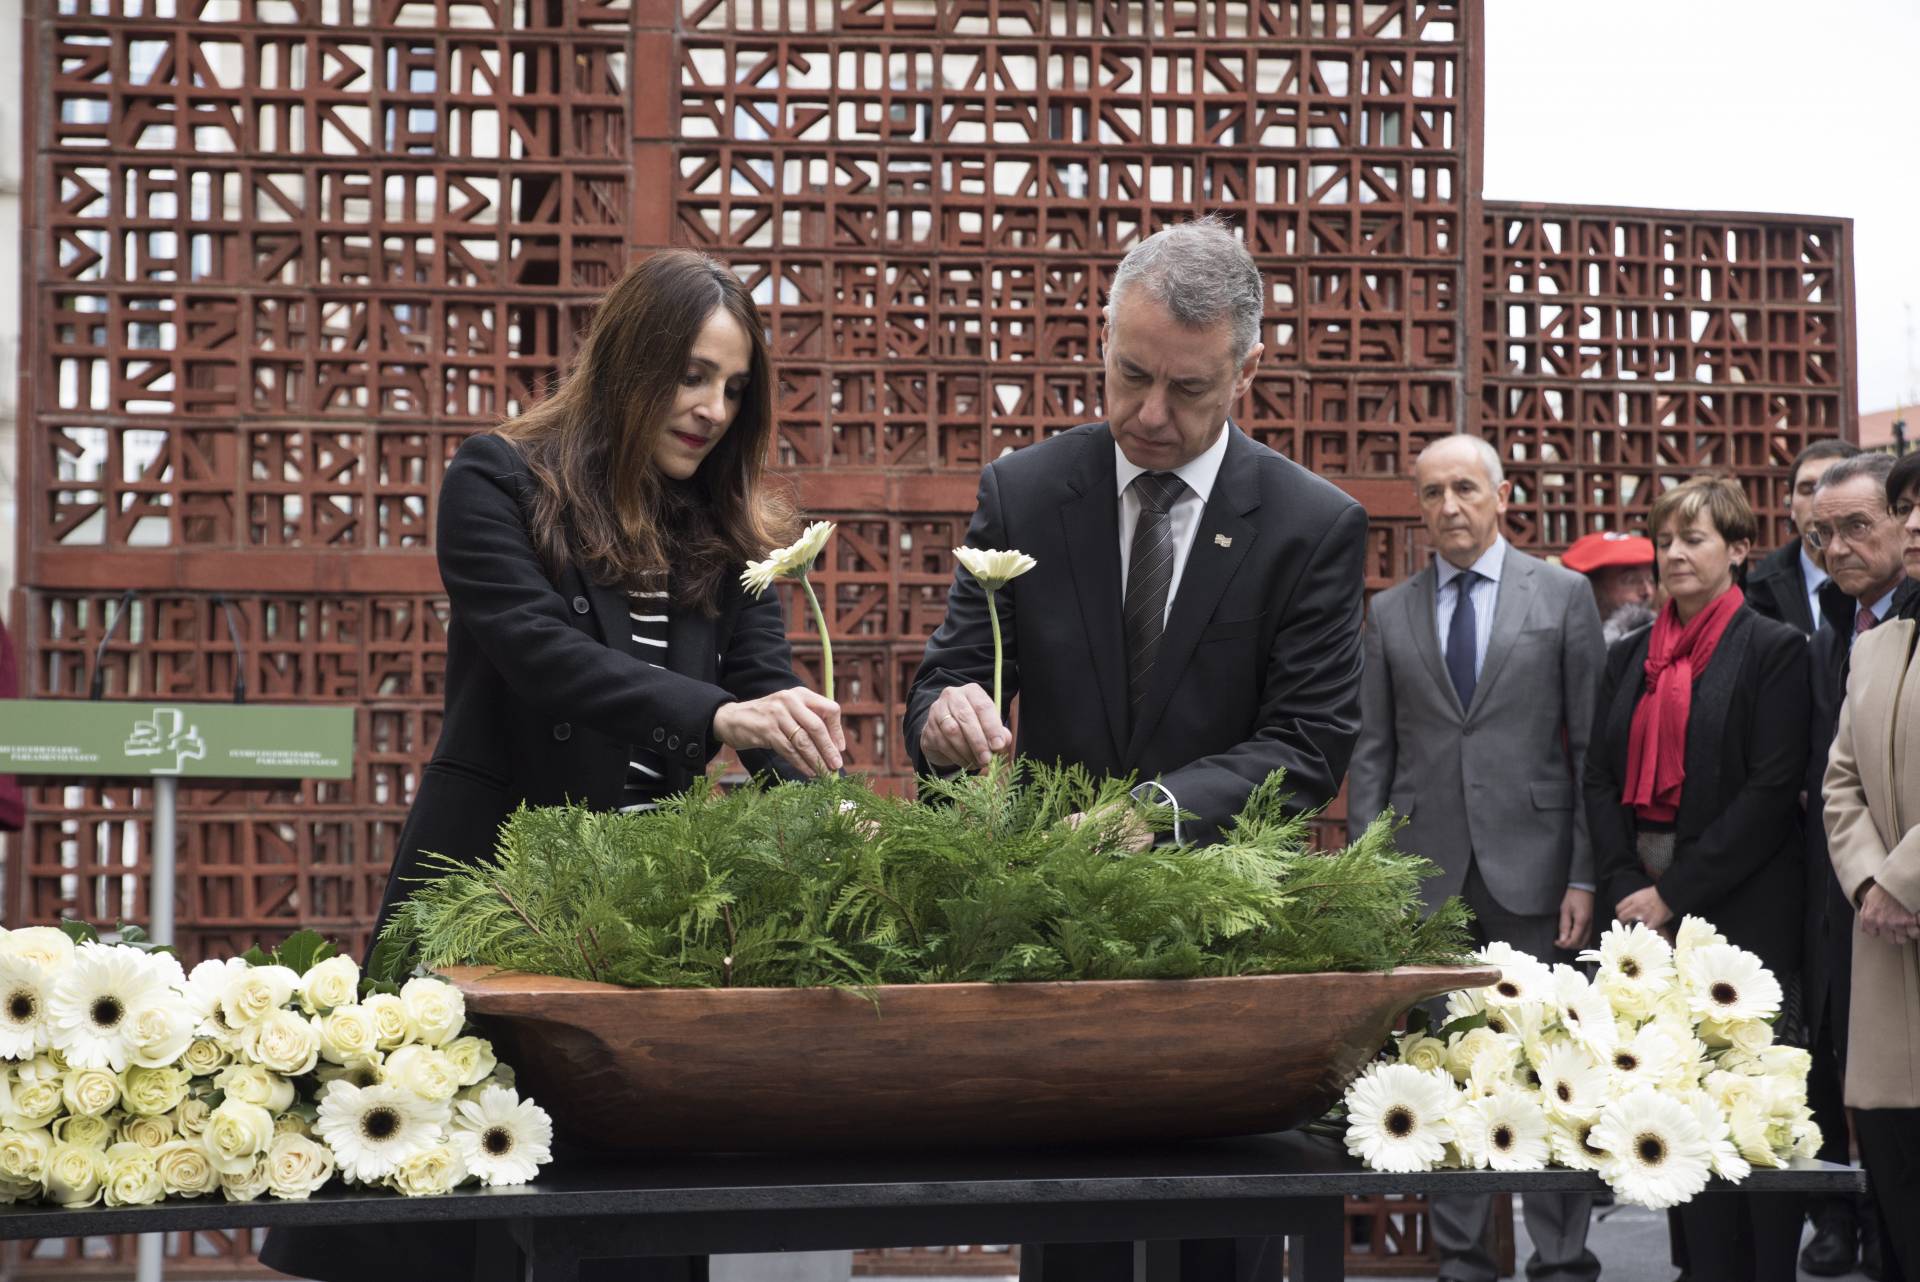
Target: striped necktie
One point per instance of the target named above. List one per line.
(1149, 572)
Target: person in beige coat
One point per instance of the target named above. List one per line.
(1873, 833)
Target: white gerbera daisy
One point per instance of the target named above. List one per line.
(1584, 1012)
(47, 945)
(93, 999)
(995, 569)
(372, 1129)
(206, 984)
(502, 1138)
(1571, 1140)
(1722, 1155)
(1656, 1155)
(1522, 979)
(788, 562)
(1397, 1117)
(25, 990)
(1636, 966)
(1506, 1131)
(1648, 1059)
(1694, 932)
(1463, 1002)
(1725, 983)
(1572, 1082)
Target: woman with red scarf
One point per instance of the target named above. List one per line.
(1693, 791)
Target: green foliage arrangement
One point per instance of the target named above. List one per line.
(829, 883)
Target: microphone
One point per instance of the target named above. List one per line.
(98, 686)
(239, 652)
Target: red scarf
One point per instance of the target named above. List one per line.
(1657, 747)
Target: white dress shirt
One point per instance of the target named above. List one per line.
(1815, 576)
(1483, 594)
(1199, 474)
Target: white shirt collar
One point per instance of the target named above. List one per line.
(1488, 566)
(1199, 472)
(1883, 607)
(1813, 574)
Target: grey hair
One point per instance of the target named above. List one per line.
(1200, 272)
(1489, 457)
(1872, 465)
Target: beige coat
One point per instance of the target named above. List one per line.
(1873, 830)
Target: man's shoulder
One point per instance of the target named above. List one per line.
(1783, 561)
(1047, 457)
(1305, 492)
(1546, 574)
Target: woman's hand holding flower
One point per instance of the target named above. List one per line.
(798, 724)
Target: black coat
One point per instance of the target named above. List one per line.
(1738, 848)
(541, 706)
(1777, 588)
(1259, 667)
(1828, 961)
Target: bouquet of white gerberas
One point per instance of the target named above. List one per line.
(124, 1079)
(1658, 1073)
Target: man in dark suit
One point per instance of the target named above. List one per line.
(1194, 616)
(1786, 585)
(1861, 543)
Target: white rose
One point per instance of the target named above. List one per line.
(46, 945)
(132, 1176)
(184, 1168)
(152, 1091)
(73, 1175)
(204, 1057)
(255, 993)
(90, 1091)
(291, 1124)
(237, 1132)
(348, 1033)
(430, 1172)
(390, 1018)
(159, 1029)
(329, 984)
(424, 1071)
(254, 1084)
(297, 1166)
(1424, 1053)
(23, 1154)
(248, 1183)
(435, 1009)
(472, 1059)
(147, 1132)
(282, 1041)
(355, 1072)
(33, 1103)
(191, 1117)
(82, 1130)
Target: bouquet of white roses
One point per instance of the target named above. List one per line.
(1658, 1073)
(125, 1079)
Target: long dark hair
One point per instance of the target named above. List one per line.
(591, 444)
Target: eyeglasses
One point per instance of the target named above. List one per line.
(1854, 529)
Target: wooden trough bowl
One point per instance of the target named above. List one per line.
(745, 1069)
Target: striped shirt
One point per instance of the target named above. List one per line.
(646, 772)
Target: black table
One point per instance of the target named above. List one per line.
(1291, 1185)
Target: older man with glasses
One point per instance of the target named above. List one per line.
(1860, 543)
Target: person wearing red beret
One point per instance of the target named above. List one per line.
(1620, 567)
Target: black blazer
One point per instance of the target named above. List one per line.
(1777, 588)
(1737, 847)
(1259, 667)
(545, 688)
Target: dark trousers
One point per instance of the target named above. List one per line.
(1890, 1150)
(1255, 1260)
(1744, 1237)
(1828, 1047)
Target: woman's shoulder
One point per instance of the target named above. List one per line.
(488, 449)
(1769, 635)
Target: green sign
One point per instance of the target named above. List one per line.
(187, 740)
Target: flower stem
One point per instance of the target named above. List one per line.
(826, 642)
(993, 613)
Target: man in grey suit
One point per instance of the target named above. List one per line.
(1475, 708)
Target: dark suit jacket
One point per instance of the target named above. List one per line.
(1828, 960)
(1737, 846)
(545, 688)
(1777, 588)
(1258, 670)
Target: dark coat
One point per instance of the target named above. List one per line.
(1828, 960)
(1777, 588)
(1738, 848)
(1259, 667)
(540, 706)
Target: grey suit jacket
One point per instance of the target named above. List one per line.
(1498, 782)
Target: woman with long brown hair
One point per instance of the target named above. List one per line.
(600, 647)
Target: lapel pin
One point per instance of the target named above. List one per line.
(1223, 540)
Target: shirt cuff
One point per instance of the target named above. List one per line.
(1580, 885)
